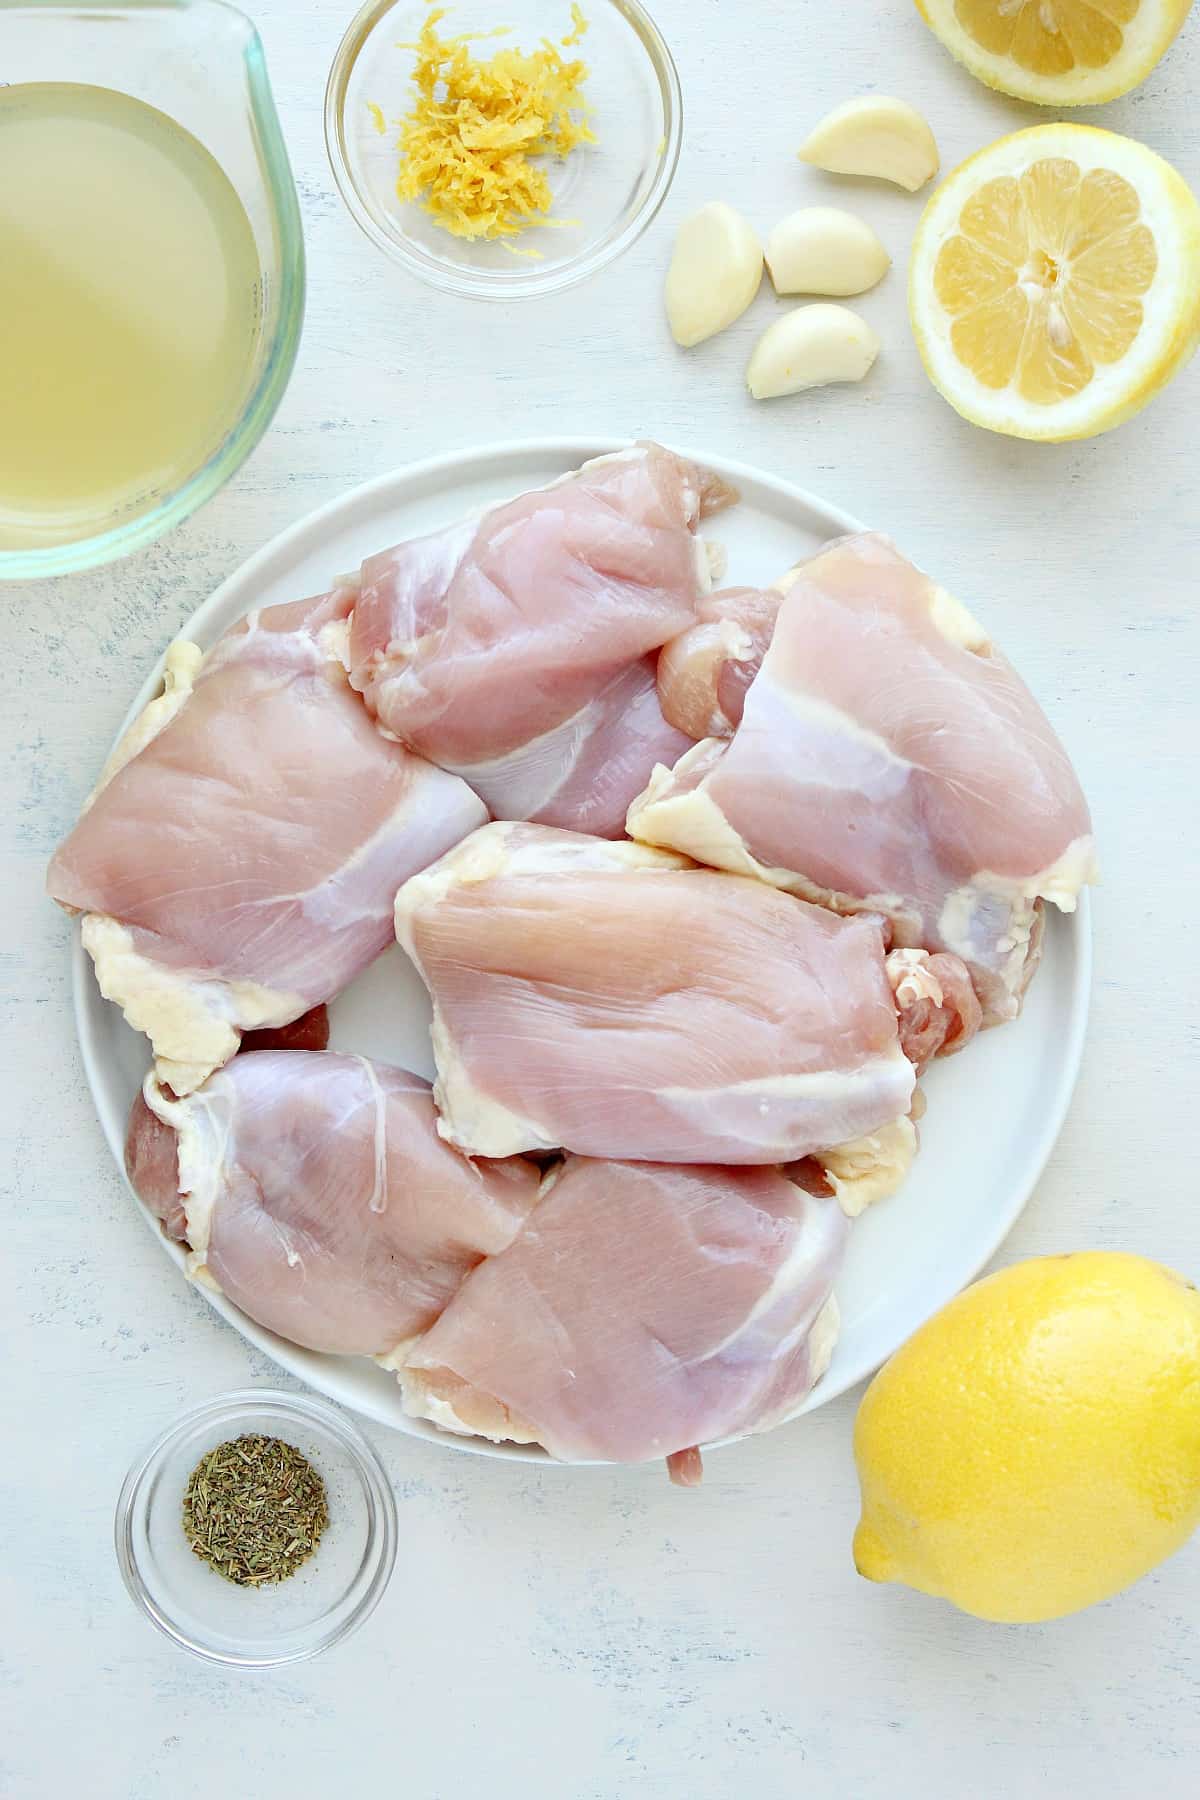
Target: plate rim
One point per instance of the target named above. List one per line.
(1075, 933)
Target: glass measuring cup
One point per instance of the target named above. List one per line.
(199, 62)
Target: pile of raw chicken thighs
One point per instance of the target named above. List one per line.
(757, 857)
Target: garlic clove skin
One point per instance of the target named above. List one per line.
(715, 272)
(874, 136)
(823, 250)
(807, 348)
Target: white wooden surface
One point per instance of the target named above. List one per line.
(587, 1635)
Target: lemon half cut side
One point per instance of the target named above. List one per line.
(1054, 286)
(1057, 52)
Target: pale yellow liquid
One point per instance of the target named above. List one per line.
(129, 309)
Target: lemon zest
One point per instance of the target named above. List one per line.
(468, 143)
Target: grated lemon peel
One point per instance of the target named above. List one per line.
(466, 144)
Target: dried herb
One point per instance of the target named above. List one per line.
(254, 1510)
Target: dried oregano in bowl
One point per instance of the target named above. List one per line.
(254, 1509)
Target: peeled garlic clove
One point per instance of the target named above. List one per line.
(715, 273)
(874, 136)
(809, 347)
(822, 250)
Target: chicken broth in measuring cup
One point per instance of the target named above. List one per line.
(130, 309)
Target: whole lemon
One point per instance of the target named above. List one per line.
(1035, 1447)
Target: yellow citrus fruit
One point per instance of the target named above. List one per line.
(1035, 1447)
(1058, 52)
(1054, 285)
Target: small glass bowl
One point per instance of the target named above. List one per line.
(606, 193)
(323, 1602)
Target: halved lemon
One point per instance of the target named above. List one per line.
(1058, 52)
(1054, 285)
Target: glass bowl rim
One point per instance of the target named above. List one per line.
(280, 1406)
(479, 285)
(261, 403)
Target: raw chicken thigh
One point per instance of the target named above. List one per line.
(889, 759)
(314, 1191)
(238, 863)
(618, 1001)
(644, 1309)
(510, 648)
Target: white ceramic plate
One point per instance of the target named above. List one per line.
(993, 1114)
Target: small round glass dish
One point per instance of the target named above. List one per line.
(258, 1627)
(605, 194)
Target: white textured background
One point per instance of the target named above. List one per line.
(587, 1635)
